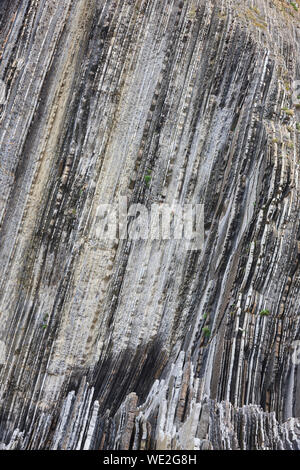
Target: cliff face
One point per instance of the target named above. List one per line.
(143, 345)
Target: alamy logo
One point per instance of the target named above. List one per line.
(159, 222)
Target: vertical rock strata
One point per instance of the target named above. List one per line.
(103, 344)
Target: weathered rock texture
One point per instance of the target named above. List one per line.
(102, 343)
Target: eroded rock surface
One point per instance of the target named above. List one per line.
(104, 345)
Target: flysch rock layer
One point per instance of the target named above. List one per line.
(127, 344)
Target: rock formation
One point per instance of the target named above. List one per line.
(122, 344)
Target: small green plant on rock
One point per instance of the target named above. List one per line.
(265, 313)
(294, 5)
(193, 12)
(206, 332)
(147, 177)
(288, 111)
